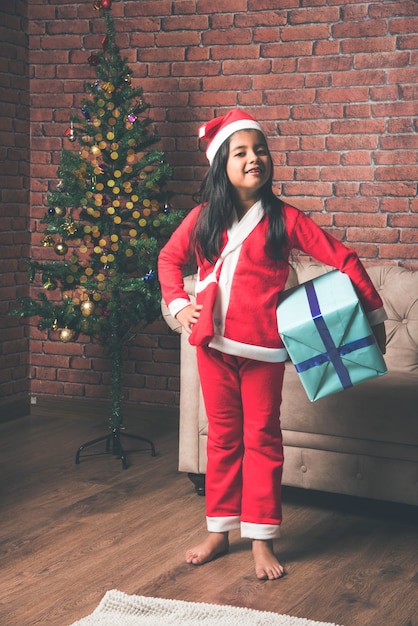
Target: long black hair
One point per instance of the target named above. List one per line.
(216, 197)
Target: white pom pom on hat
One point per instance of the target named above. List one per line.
(220, 128)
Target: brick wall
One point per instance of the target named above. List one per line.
(14, 204)
(334, 83)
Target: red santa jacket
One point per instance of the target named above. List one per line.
(240, 294)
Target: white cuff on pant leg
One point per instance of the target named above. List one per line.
(260, 531)
(222, 524)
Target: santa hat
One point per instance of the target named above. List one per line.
(220, 128)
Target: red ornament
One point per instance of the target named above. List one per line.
(70, 133)
(102, 4)
(94, 60)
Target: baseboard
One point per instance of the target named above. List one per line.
(65, 407)
(13, 408)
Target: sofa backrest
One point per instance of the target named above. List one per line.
(398, 288)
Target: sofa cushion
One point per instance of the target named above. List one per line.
(398, 288)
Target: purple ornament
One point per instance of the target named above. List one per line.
(149, 277)
(132, 118)
(86, 113)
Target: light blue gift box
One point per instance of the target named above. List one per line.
(328, 336)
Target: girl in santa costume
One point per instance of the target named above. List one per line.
(241, 236)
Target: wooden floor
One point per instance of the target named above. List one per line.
(69, 533)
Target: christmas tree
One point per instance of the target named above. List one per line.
(107, 218)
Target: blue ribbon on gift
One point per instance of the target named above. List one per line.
(333, 352)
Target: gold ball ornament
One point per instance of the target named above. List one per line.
(84, 326)
(61, 248)
(50, 284)
(87, 308)
(60, 211)
(70, 227)
(48, 241)
(66, 335)
(108, 87)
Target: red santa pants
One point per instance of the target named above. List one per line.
(245, 452)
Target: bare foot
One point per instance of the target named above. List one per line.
(267, 567)
(214, 545)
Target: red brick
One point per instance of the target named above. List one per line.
(261, 19)
(389, 189)
(325, 64)
(408, 42)
(383, 60)
(193, 69)
(360, 157)
(311, 32)
(323, 46)
(309, 189)
(405, 172)
(317, 112)
(403, 251)
(409, 236)
(394, 205)
(222, 21)
(226, 83)
(184, 7)
(347, 173)
(314, 15)
(396, 157)
(366, 250)
(373, 235)
(363, 29)
(343, 94)
(246, 67)
(394, 109)
(358, 126)
(393, 142)
(352, 205)
(190, 38)
(290, 85)
(361, 220)
(403, 221)
(313, 158)
(368, 44)
(357, 110)
(297, 49)
(219, 6)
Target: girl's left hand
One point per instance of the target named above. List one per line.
(380, 336)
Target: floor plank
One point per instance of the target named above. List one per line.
(69, 533)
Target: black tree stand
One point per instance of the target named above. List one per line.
(113, 438)
(116, 447)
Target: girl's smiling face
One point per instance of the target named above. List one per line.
(249, 164)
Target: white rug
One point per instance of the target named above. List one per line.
(119, 609)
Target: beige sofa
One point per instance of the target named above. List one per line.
(361, 442)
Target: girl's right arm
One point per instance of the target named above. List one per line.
(172, 259)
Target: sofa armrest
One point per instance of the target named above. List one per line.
(193, 421)
(189, 285)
